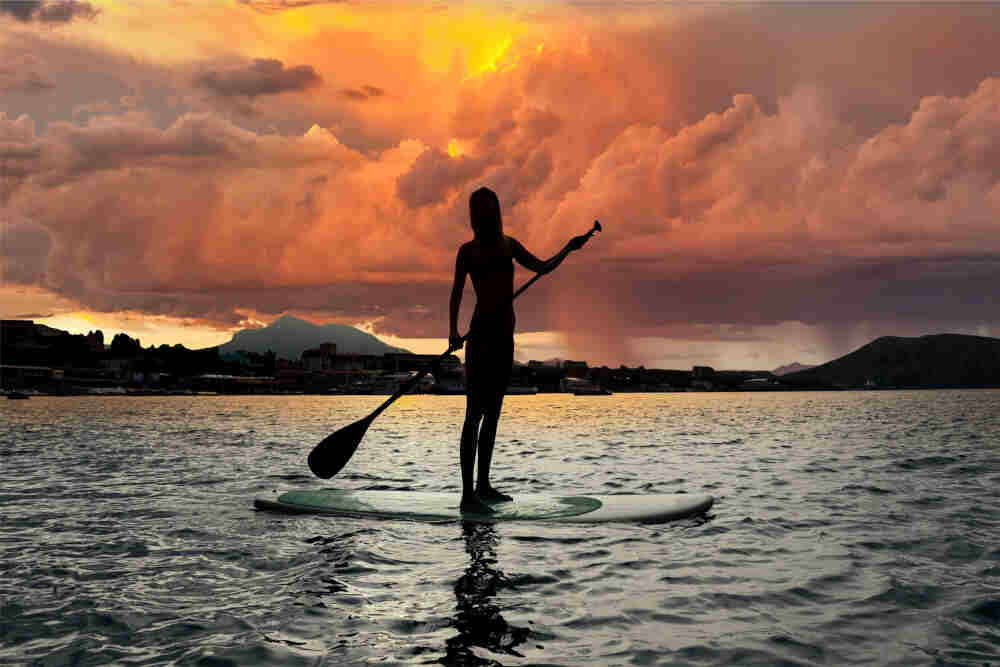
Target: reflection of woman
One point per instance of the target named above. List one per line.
(489, 354)
(477, 617)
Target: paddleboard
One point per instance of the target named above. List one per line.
(431, 506)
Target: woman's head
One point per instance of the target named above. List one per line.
(484, 214)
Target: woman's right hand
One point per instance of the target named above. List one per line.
(578, 242)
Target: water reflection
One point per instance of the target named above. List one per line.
(478, 618)
(337, 551)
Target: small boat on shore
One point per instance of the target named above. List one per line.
(107, 391)
(448, 388)
(16, 395)
(591, 391)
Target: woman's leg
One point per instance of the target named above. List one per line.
(501, 368)
(469, 443)
(470, 438)
(487, 440)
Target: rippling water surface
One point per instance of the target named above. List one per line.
(849, 528)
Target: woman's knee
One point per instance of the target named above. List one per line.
(492, 415)
(474, 412)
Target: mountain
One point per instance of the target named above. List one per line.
(793, 367)
(288, 336)
(941, 360)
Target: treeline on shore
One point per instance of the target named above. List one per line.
(41, 358)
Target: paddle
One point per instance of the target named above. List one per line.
(332, 454)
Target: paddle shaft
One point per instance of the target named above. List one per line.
(412, 382)
(330, 456)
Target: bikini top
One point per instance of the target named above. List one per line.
(494, 265)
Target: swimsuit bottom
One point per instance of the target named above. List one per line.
(489, 355)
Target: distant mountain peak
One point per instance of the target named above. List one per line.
(288, 336)
(289, 318)
(793, 367)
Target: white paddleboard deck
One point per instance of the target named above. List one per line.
(436, 506)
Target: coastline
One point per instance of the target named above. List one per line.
(193, 394)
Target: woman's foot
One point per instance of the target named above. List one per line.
(473, 504)
(491, 495)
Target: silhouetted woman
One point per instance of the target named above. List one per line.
(489, 353)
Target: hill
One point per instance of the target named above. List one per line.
(793, 367)
(288, 336)
(941, 360)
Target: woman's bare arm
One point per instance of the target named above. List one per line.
(457, 287)
(532, 263)
(525, 258)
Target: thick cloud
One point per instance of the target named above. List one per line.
(25, 253)
(435, 176)
(264, 76)
(48, 11)
(363, 93)
(110, 144)
(746, 167)
(757, 218)
(189, 220)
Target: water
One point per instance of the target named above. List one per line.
(849, 528)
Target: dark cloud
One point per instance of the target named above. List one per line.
(261, 77)
(139, 206)
(68, 152)
(752, 167)
(78, 72)
(434, 175)
(45, 11)
(363, 93)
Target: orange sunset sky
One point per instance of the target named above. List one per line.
(778, 182)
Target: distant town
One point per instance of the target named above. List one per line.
(36, 359)
(39, 359)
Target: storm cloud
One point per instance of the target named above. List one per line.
(264, 76)
(48, 11)
(363, 93)
(747, 169)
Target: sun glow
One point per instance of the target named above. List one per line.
(472, 41)
(76, 322)
(298, 22)
(150, 330)
(494, 54)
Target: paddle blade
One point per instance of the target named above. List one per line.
(332, 454)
